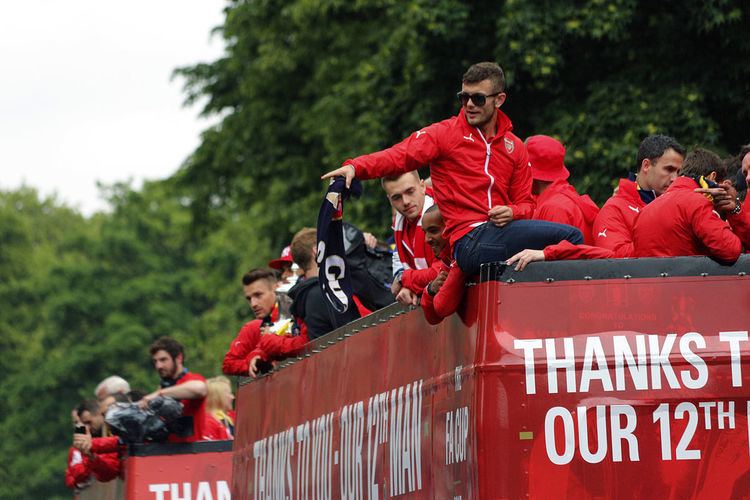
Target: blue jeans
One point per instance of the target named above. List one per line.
(489, 243)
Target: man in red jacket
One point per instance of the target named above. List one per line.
(659, 160)
(409, 198)
(443, 294)
(683, 221)
(167, 356)
(480, 174)
(246, 356)
(556, 200)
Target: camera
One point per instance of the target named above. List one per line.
(80, 429)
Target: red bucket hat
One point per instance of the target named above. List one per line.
(286, 258)
(547, 157)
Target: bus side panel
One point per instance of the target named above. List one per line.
(364, 417)
(615, 389)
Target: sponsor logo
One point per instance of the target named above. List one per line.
(420, 132)
(602, 233)
(634, 209)
(469, 138)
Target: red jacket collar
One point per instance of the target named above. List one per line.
(682, 184)
(504, 125)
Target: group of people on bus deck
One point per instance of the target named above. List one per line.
(491, 197)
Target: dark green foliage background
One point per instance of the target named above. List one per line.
(302, 86)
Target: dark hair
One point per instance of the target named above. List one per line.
(486, 71)
(136, 395)
(432, 208)
(168, 344)
(90, 405)
(702, 162)
(259, 274)
(302, 243)
(654, 146)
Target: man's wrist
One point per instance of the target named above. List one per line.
(430, 291)
(737, 208)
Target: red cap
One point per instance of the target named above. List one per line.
(547, 156)
(286, 258)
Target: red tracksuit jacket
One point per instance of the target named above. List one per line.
(469, 174)
(446, 300)
(613, 227)
(250, 343)
(562, 204)
(683, 222)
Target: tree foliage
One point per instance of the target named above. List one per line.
(302, 86)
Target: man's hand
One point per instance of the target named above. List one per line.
(370, 240)
(396, 287)
(145, 400)
(254, 369)
(524, 257)
(347, 171)
(500, 215)
(407, 297)
(436, 284)
(82, 441)
(724, 197)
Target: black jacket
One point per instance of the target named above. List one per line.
(309, 305)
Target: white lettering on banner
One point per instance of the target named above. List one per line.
(203, 492)
(393, 419)
(734, 339)
(618, 434)
(638, 361)
(456, 434)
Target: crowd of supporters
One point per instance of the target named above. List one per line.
(204, 413)
(490, 197)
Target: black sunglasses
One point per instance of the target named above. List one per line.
(478, 99)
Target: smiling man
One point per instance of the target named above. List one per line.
(480, 174)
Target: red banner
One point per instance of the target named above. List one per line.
(180, 471)
(605, 388)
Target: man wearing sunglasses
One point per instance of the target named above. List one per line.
(480, 174)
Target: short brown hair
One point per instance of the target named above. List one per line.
(393, 178)
(482, 71)
(702, 162)
(168, 344)
(260, 273)
(302, 244)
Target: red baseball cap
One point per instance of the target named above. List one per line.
(547, 157)
(286, 258)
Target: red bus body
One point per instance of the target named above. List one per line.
(607, 379)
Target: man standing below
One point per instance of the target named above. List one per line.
(181, 384)
(556, 200)
(409, 198)
(310, 308)
(659, 160)
(480, 174)
(683, 221)
(271, 317)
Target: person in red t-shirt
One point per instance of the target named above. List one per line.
(410, 198)
(179, 383)
(557, 200)
(480, 173)
(659, 160)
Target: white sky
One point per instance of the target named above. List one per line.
(85, 91)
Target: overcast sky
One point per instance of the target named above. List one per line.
(85, 91)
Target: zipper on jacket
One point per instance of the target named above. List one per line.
(486, 169)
